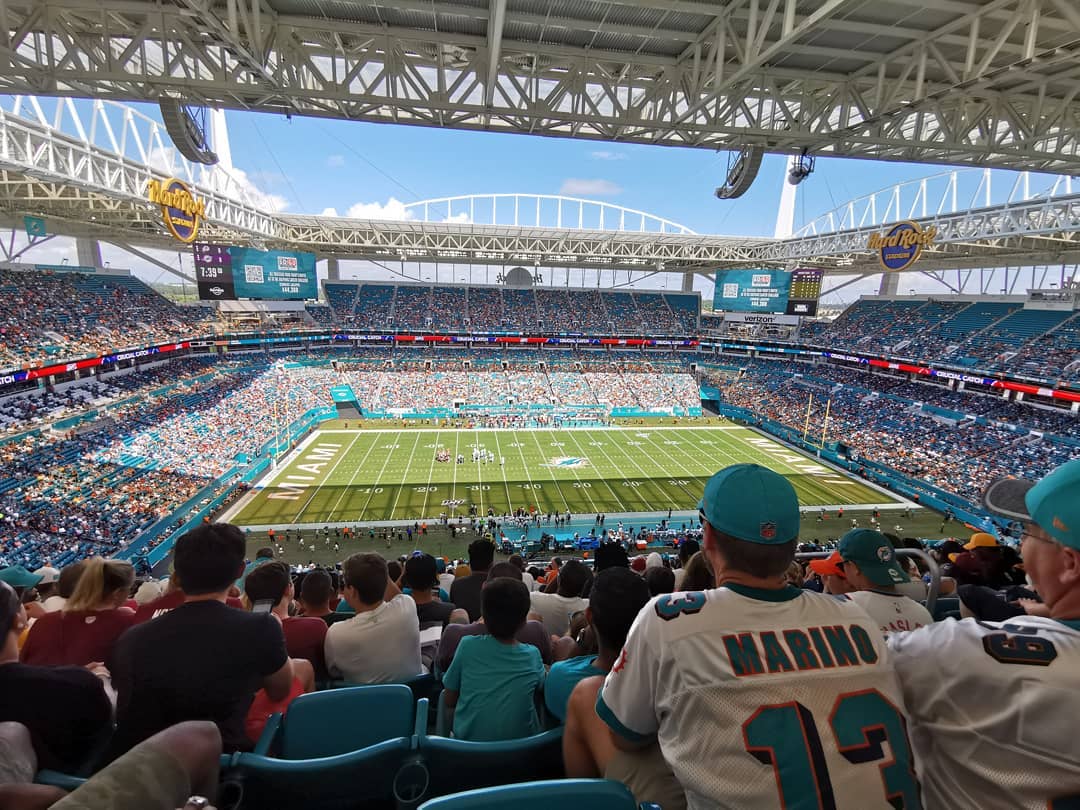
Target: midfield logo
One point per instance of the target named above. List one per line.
(568, 462)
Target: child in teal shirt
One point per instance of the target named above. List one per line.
(491, 683)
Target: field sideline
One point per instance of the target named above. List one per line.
(338, 476)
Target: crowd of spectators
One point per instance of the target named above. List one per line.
(986, 336)
(955, 454)
(421, 307)
(66, 315)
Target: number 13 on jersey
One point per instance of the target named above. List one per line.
(785, 736)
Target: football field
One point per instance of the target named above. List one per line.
(338, 476)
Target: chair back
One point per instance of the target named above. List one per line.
(325, 724)
(595, 794)
(457, 765)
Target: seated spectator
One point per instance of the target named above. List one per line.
(269, 589)
(491, 684)
(69, 578)
(659, 578)
(687, 549)
(618, 594)
(203, 659)
(318, 597)
(873, 572)
(555, 609)
(24, 584)
(992, 706)
(65, 709)
(262, 556)
(982, 562)
(173, 598)
(831, 571)
(90, 622)
(48, 586)
(381, 643)
(532, 632)
(465, 592)
(707, 674)
(699, 575)
(519, 562)
(421, 581)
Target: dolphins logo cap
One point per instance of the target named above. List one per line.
(875, 556)
(1053, 503)
(751, 503)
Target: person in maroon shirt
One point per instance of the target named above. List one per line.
(90, 622)
(269, 589)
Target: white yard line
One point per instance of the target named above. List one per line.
(326, 477)
(345, 491)
(403, 477)
(551, 474)
(431, 470)
(506, 486)
(676, 477)
(607, 483)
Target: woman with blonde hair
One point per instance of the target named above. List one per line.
(91, 621)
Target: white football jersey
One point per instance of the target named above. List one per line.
(993, 709)
(765, 700)
(894, 612)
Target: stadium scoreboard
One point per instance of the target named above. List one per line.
(804, 292)
(771, 291)
(231, 273)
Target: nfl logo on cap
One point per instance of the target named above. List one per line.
(768, 531)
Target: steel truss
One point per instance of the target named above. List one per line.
(98, 191)
(988, 83)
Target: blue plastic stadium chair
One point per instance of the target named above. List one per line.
(422, 686)
(595, 794)
(359, 779)
(338, 721)
(451, 765)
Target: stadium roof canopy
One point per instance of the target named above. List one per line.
(978, 82)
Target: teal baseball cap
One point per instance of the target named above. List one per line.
(18, 577)
(875, 556)
(751, 503)
(1053, 503)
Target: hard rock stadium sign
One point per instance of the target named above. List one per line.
(183, 214)
(900, 246)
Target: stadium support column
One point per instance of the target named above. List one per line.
(890, 283)
(333, 270)
(88, 251)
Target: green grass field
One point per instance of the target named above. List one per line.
(339, 476)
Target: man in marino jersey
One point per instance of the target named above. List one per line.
(762, 695)
(994, 705)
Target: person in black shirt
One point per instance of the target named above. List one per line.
(65, 709)
(421, 579)
(465, 592)
(203, 660)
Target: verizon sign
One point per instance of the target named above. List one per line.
(767, 320)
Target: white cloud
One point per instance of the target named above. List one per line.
(263, 200)
(603, 154)
(329, 212)
(580, 187)
(460, 218)
(335, 161)
(392, 209)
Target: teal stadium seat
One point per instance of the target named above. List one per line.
(455, 765)
(947, 607)
(337, 721)
(594, 794)
(335, 750)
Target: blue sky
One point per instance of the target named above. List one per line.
(343, 163)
